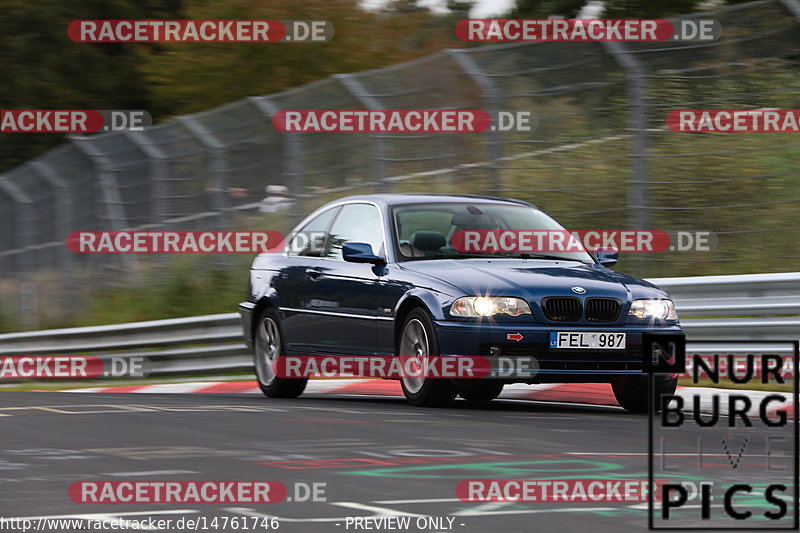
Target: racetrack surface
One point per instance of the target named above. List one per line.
(377, 455)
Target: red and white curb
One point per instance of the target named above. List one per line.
(575, 393)
(369, 387)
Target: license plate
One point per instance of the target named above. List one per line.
(587, 340)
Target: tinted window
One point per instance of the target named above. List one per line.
(309, 241)
(357, 223)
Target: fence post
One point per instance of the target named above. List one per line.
(292, 167)
(158, 173)
(25, 219)
(109, 189)
(793, 6)
(378, 142)
(638, 192)
(491, 95)
(65, 208)
(219, 166)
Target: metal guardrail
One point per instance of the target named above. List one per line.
(744, 295)
(199, 344)
(753, 307)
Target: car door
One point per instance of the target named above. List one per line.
(292, 283)
(344, 296)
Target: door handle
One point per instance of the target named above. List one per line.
(313, 273)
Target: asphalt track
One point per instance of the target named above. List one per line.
(377, 456)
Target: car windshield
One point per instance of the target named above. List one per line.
(472, 229)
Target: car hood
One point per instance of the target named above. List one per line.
(533, 279)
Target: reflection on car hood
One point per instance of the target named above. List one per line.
(533, 279)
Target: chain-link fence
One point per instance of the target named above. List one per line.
(600, 157)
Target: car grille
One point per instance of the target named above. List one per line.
(562, 309)
(602, 309)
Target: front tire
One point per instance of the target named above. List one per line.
(418, 342)
(268, 347)
(480, 392)
(632, 392)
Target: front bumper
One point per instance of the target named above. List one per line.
(246, 319)
(530, 344)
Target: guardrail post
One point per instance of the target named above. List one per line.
(377, 141)
(491, 94)
(638, 191)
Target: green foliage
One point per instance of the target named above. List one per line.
(43, 69)
(189, 78)
(186, 287)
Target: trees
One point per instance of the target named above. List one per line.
(43, 69)
(188, 78)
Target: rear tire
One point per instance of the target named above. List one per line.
(267, 348)
(418, 341)
(632, 392)
(480, 392)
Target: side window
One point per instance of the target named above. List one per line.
(359, 223)
(310, 240)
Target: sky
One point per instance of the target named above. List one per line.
(483, 8)
(489, 8)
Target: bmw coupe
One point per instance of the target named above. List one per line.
(379, 275)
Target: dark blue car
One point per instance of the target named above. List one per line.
(378, 275)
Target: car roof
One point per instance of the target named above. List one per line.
(388, 199)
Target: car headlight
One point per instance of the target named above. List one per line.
(660, 309)
(475, 306)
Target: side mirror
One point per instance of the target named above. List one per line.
(360, 252)
(607, 256)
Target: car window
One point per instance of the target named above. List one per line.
(310, 240)
(357, 223)
(409, 223)
(425, 231)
